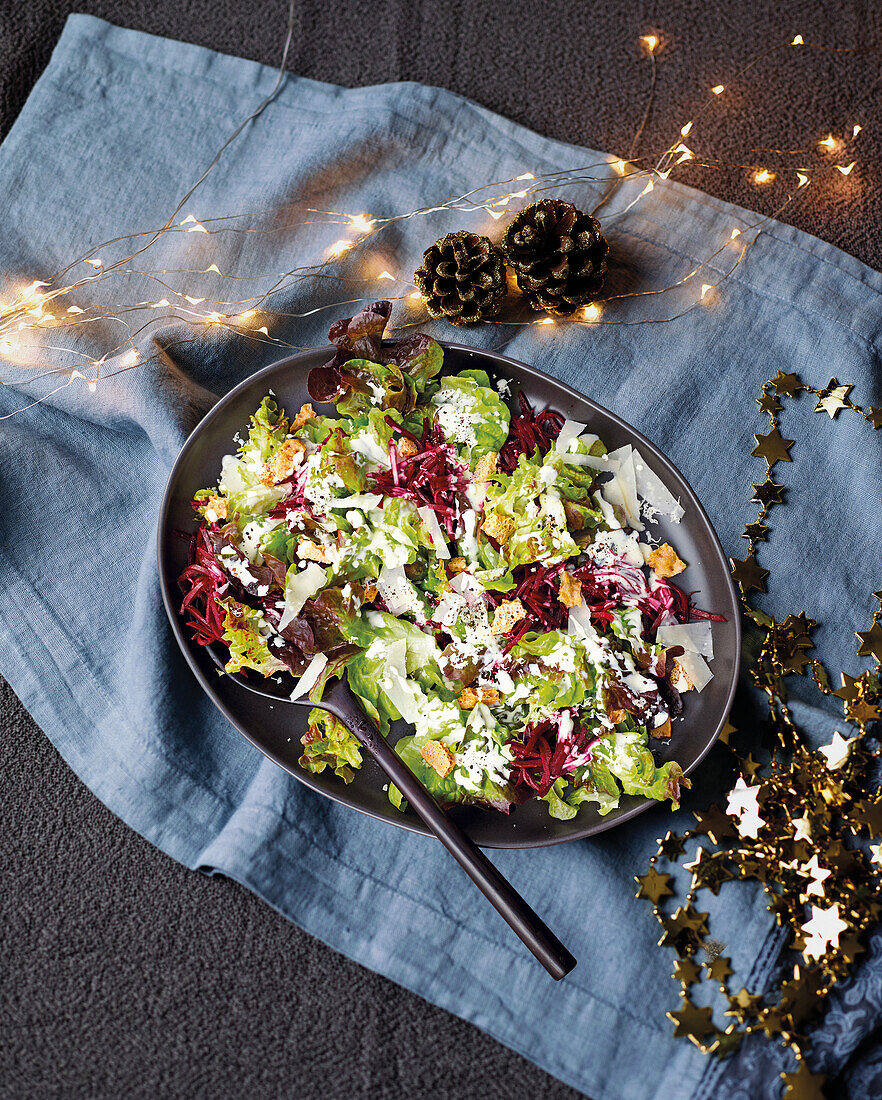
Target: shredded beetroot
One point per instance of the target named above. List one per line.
(433, 477)
(203, 584)
(529, 432)
(537, 588)
(545, 755)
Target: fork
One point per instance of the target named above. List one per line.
(524, 921)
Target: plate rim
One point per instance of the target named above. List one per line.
(407, 823)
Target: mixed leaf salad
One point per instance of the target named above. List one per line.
(487, 577)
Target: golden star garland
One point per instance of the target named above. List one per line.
(795, 824)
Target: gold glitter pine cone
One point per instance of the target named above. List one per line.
(462, 278)
(558, 255)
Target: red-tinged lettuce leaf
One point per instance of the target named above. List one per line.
(418, 356)
(362, 380)
(360, 363)
(361, 336)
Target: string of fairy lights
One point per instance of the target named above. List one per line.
(39, 313)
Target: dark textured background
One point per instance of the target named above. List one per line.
(121, 973)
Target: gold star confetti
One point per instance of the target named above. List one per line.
(768, 493)
(871, 642)
(874, 416)
(850, 690)
(745, 1005)
(653, 885)
(833, 398)
(817, 874)
(671, 845)
(772, 447)
(748, 574)
(707, 871)
(868, 814)
(719, 970)
(769, 403)
(692, 1021)
(862, 712)
(787, 385)
(741, 802)
(726, 732)
(838, 751)
(876, 853)
(824, 930)
(749, 766)
(715, 824)
(803, 1085)
(687, 971)
(756, 531)
(803, 828)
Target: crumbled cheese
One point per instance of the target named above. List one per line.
(455, 414)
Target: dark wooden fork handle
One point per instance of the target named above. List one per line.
(531, 929)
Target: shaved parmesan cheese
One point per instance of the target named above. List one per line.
(596, 462)
(469, 541)
(300, 586)
(402, 694)
(694, 637)
(308, 680)
(464, 584)
(397, 591)
(622, 490)
(654, 491)
(571, 429)
(695, 669)
(357, 500)
(427, 515)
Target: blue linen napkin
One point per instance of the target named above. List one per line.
(116, 129)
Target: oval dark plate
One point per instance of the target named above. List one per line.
(275, 728)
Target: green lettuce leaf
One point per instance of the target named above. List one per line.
(471, 413)
(536, 514)
(329, 744)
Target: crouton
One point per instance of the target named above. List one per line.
(489, 696)
(307, 412)
(283, 463)
(311, 551)
(370, 593)
(679, 679)
(664, 561)
(616, 716)
(215, 509)
(570, 594)
(508, 614)
(456, 565)
(438, 756)
(664, 730)
(485, 468)
(498, 527)
(406, 448)
(468, 699)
